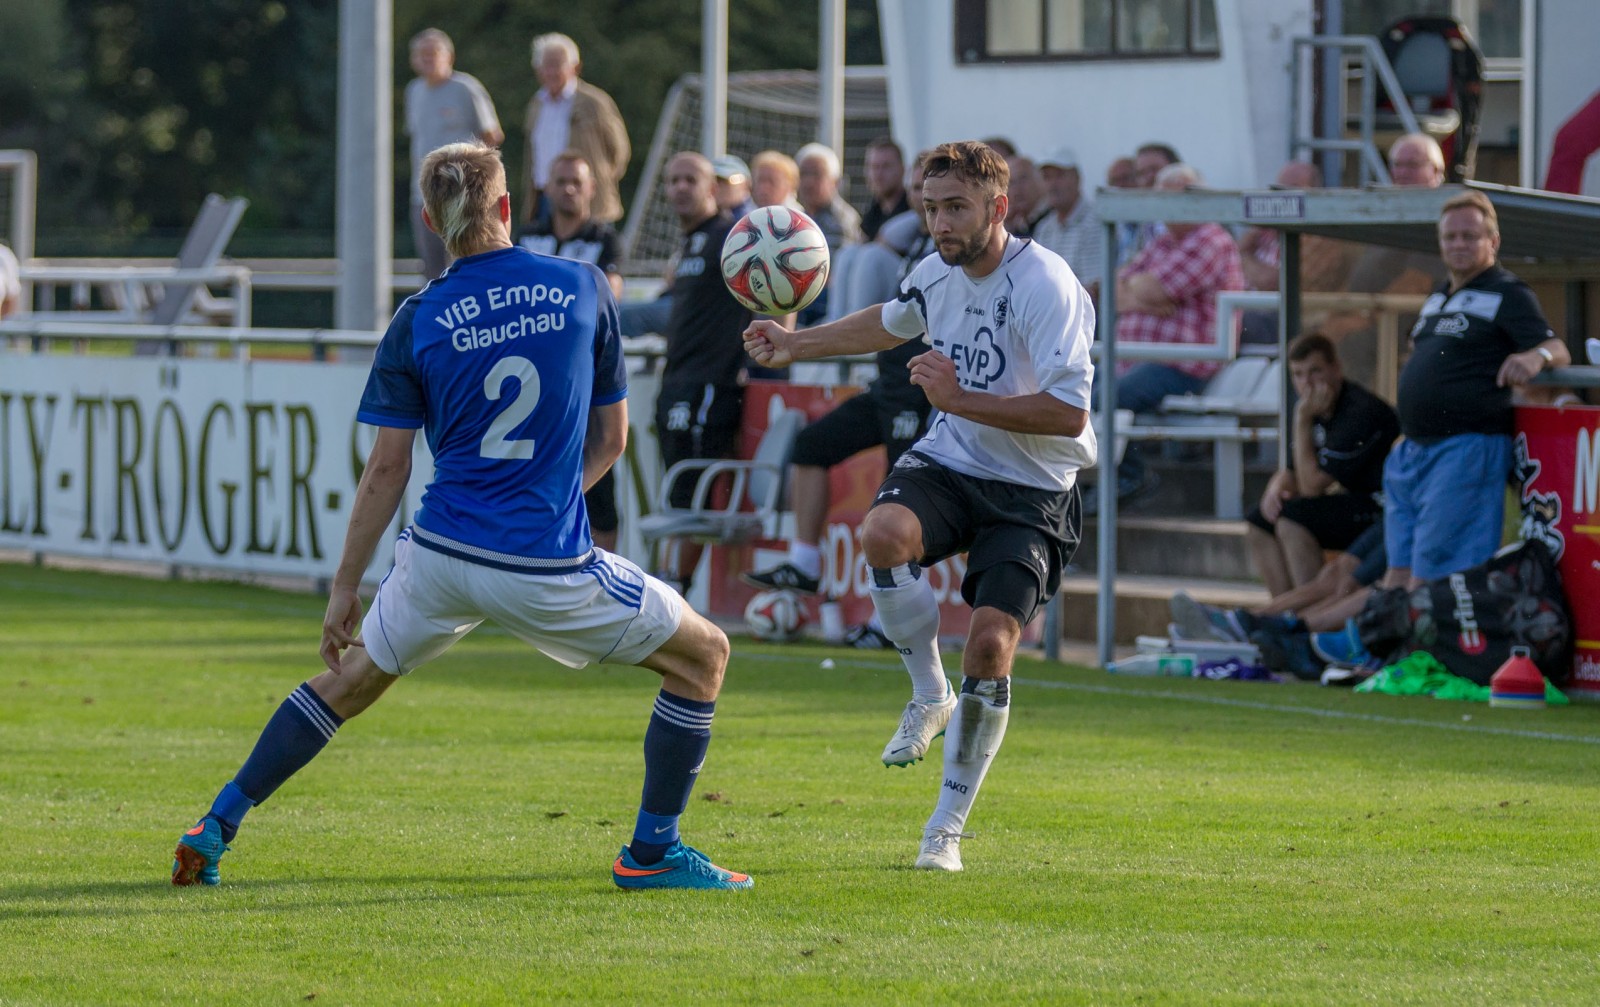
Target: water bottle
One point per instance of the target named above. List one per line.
(1180, 665)
(1518, 682)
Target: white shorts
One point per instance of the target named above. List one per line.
(609, 612)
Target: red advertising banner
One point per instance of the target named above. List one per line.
(1557, 452)
(852, 486)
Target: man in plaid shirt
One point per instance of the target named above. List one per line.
(1167, 293)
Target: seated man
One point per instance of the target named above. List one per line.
(1167, 293)
(891, 412)
(1330, 493)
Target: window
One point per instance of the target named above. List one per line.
(1024, 30)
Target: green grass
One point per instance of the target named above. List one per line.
(1139, 840)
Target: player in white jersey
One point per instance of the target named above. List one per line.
(995, 476)
(512, 364)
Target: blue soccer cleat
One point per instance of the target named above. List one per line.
(682, 867)
(197, 854)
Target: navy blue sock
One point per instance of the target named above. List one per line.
(303, 725)
(674, 747)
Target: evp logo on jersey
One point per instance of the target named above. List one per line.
(980, 364)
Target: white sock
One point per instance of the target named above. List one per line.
(910, 615)
(970, 743)
(806, 557)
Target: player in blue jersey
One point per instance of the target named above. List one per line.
(512, 364)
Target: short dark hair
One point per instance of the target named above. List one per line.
(885, 143)
(1160, 148)
(1004, 147)
(972, 161)
(1311, 344)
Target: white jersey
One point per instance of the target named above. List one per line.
(1023, 329)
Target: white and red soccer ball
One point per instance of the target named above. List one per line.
(775, 616)
(775, 260)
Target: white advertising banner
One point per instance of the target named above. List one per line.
(240, 465)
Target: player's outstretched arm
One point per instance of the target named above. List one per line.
(383, 482)
(772, 345)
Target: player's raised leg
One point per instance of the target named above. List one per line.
(691, 664)
(975, 733)
(891, 537)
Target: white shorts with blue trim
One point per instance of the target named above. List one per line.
(608, 612)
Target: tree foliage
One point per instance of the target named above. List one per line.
(138, 108)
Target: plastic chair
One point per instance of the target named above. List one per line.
(1440, 70)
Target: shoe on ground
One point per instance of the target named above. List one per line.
(867, 637)
(941, 850)
(783, 577)
(195, 860)
(1193, 620)
(919, 725)
(1341, 647)
(682, 867)
(1288, 653)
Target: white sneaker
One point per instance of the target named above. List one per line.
(919, 725)
(941, 850)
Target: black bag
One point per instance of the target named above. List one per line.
(1470, 621)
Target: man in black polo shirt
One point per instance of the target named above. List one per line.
(1479, 334)
(570, 231)
(701, 404)
(1342, 434)
(885, 168)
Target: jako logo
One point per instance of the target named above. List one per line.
(1469, 640)
(959, 788)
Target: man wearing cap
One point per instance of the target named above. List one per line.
(733, 185)
(1070, 228)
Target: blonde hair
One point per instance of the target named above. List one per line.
(1473, 200)
(461, 188)
(783, 162)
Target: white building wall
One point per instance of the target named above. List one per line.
(1229, 116)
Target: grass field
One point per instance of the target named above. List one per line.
(1139, 841)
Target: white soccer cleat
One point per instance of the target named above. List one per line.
(919, 725)
(941, 850)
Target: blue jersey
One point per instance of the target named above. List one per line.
(500, 361)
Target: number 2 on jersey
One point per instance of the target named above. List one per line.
(496, 442)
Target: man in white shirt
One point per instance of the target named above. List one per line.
(568, 113)
(995, 476)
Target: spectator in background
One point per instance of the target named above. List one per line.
(1148, 161)
(1415, 159)
(569, 113)
(10, 282)
(733, 185)
(1167, 293)
(442, 106)
(571, 232)
(819, 195)
(1025, 196)
(774, 179)
(1324, 262)
(1122, 174)
(885, 169)
(700, 407)
(1479, 334)
(1068, 227)
(1005, 148)
(1330, 493)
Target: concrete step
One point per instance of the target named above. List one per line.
(1142, 603)
(1200, 549)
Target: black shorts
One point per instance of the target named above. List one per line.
(1018, 539)
(602, 503)
(859, 423)
(697, 421)
(1334, 520)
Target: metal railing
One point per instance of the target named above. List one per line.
(1374, 69)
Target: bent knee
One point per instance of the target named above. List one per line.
(888, 540)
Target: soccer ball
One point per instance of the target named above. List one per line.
(775, 260)
(775, 616)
